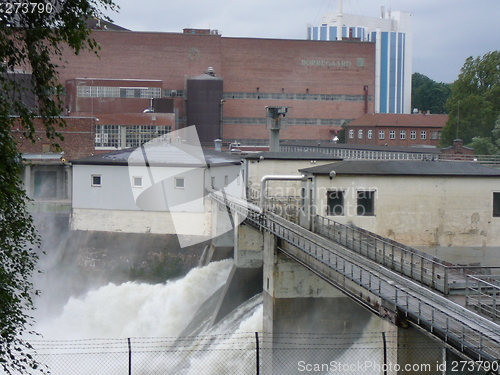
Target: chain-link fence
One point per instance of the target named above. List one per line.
(256, 353)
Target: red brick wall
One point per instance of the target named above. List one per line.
(245, 64)
(79, 136)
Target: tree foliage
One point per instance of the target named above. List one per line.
(475, 99)
(429, 95)
(32, 41)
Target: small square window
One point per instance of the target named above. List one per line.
(423, 134)
(496, 204)
(413, 134)
(137, 181)
(179, 182)
(366, 203)
(381, 134)
(402, 134)
(392, 134)
(96, 180)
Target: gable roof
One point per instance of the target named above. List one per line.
(400, 120)
(404, 168)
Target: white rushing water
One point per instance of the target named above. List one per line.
(135, 309)
(90, 335)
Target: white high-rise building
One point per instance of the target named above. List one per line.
(392, 34)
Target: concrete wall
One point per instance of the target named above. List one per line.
(420, 211)
(129, 221)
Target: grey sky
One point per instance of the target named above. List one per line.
(445, 32)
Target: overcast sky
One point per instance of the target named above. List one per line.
(445, 32)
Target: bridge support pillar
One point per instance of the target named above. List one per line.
(298, 301)
(248, 246)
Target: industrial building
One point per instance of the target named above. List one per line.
(145, 84)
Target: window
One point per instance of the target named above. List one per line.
(381, 134)
(392, 134)
(413, 134)
(96, 180)
(213, 182)
(179, 182)
(496, 204)
(370, 134)
(366, 203)
(360, 134)
(335, 203)
(402, 134)
(423, 134)
(351, 133)
(226, 180)
(137, 181)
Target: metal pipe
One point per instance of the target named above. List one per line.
(264, 180)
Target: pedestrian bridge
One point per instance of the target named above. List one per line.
(456, 306)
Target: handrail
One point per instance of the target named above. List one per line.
(483, 295)
(467, 332)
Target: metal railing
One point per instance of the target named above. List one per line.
(346, 153)
(470, 334)
(418, 265)
(483, 294)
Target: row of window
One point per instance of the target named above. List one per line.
(392, 134)
(96, 181)
(296, 96)
(121, 136)
(365, 203)
(118, 92)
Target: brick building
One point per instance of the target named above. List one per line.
(396, 129)
(324, 84)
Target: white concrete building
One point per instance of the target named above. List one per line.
(151, 189)
(450, 209)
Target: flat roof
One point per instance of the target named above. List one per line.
(404, 168)
(164, 155)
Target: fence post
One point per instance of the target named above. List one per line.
(257, 367)
(129, 357)
(385, 353)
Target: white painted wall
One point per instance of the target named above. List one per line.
(421, 211)
(158, 206)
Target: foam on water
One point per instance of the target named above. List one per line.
(137, 310)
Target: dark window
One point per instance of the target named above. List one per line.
(335, 203)
(96, 180)
(496, 204)
(366, 203)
